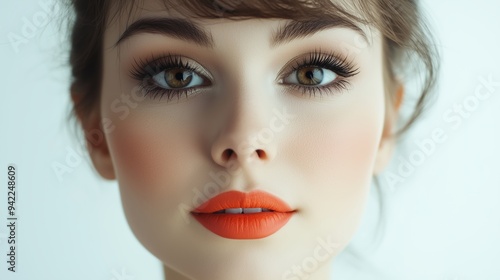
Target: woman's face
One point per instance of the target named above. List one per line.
(301, 119)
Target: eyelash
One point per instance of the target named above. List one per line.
(333, 61)
(145, 70)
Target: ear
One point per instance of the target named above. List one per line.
(388, 141)
(94, 136)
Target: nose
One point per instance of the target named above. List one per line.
(229, 150)
(245, 136)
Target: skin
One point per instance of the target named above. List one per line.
(320, 162)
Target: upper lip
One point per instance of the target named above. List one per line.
(236, 199)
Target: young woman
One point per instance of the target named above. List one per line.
(244, 135)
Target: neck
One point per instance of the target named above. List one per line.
(171, 274)
(322, 273)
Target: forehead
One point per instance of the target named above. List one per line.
(187, 16)
(127, 10)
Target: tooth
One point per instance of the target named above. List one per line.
(234, 210)
(252, 210)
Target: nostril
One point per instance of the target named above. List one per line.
(261, 154)
(227, 154)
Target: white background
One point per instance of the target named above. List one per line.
(441, 223)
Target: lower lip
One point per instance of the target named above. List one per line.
(244, 226)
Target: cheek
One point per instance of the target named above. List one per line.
(342, 147)
(148, 157)
(154, 161)
(335, 158)
(354, 146)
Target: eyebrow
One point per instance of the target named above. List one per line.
(300, 29)
(190, 31)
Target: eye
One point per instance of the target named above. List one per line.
(318, 73)
(170, 76)
(177, 78)
(311, 76)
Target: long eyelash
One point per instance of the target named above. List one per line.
(144, 70)
(333, 61)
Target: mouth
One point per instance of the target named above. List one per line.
(238, 215)
(242, 211)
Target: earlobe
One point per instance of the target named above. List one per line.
(99, 153)
(95, 138)
(388, 139)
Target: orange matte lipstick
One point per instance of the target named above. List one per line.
(239, 215)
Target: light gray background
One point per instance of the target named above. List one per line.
(442, 222)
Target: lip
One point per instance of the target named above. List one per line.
(243, 226)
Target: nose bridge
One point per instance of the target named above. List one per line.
(243, 132)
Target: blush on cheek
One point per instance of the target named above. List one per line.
(146, 159)
(344, 150)
(360, 143)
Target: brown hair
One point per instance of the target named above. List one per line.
(407, 40)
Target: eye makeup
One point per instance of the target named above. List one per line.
(173, 75)
(311, 65)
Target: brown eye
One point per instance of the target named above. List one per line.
(311, 76)
(177, 78)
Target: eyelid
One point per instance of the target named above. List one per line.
(144, 70)
(311, 59)
(140, 66)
